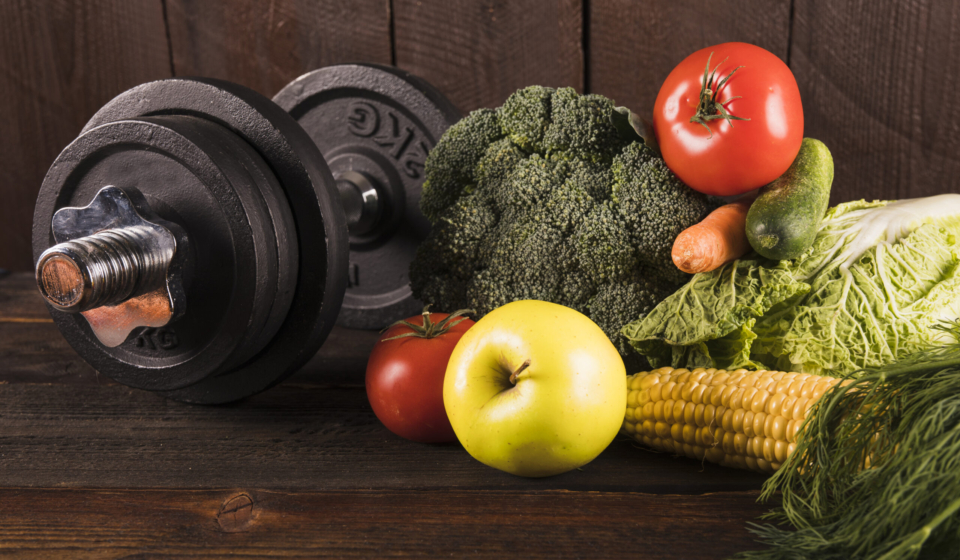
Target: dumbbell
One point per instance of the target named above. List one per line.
(200, 240)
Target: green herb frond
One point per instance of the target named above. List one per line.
(876, 472)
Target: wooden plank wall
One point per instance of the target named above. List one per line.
(878, 79)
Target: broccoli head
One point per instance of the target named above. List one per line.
(544, 198)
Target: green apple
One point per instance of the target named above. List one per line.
(535, 389)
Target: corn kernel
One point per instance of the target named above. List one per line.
(676, 432)
(727, 394)
(727, 443)
(768, 445)
(786, 409)
(696, 395)
(662, 429)
(793, 426)
(666, 390)
(698, 414)
(759, 401)
(648, 413)
(719, 379)
(648, 381)
(800, 408)
(737, 420)
(649, 428)
(768, 425)
(775, 402)
(709, 412)
(740, 444)
(678, 407)
(727, 421)
(748, 417)
(758, 422)
(658, 411)
(654, 392)
(668, 411)
(778, 428)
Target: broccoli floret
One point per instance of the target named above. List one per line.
(567, 206)
(544, 199)
(452, 164)
(654, 204)
(603, 245)
(525, 116)
(618, 304)
(582, 125)
(532, 180)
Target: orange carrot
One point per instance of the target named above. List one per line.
(720, 238)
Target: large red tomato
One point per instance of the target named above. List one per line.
(405, 375)
(740, 130)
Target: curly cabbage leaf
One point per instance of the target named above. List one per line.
(877, 280)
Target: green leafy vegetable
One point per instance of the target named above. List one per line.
(902, 421)
(877, 279)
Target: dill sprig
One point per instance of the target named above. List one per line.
(876, 472)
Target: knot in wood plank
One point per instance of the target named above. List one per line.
(236, 514)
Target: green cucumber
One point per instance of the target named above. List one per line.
(783, 221)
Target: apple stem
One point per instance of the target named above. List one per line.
(523, 366)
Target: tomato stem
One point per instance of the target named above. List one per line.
(429, 329)
(519, 370)
(709, 108)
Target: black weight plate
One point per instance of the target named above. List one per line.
(381, 122)
(178, 164)
(310, 191)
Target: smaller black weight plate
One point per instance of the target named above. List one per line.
(381, 122)
(310, 192)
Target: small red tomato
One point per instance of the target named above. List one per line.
(728, 119)
(405, 375)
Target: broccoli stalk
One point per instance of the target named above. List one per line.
(544, 198)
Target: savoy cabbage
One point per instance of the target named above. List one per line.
(878, 279)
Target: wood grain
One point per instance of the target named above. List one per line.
(294, 436)
(87, 523)
(60, 61)
(265, 45)
(478, 53)
(878, 82)
(632, 46)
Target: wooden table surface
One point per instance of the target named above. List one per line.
(93, 469)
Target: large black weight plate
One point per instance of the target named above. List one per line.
(382, 122)
(235, 291)
(309, 189)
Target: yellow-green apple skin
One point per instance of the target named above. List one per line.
(567, 404)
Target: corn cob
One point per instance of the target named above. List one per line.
(745, 419)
